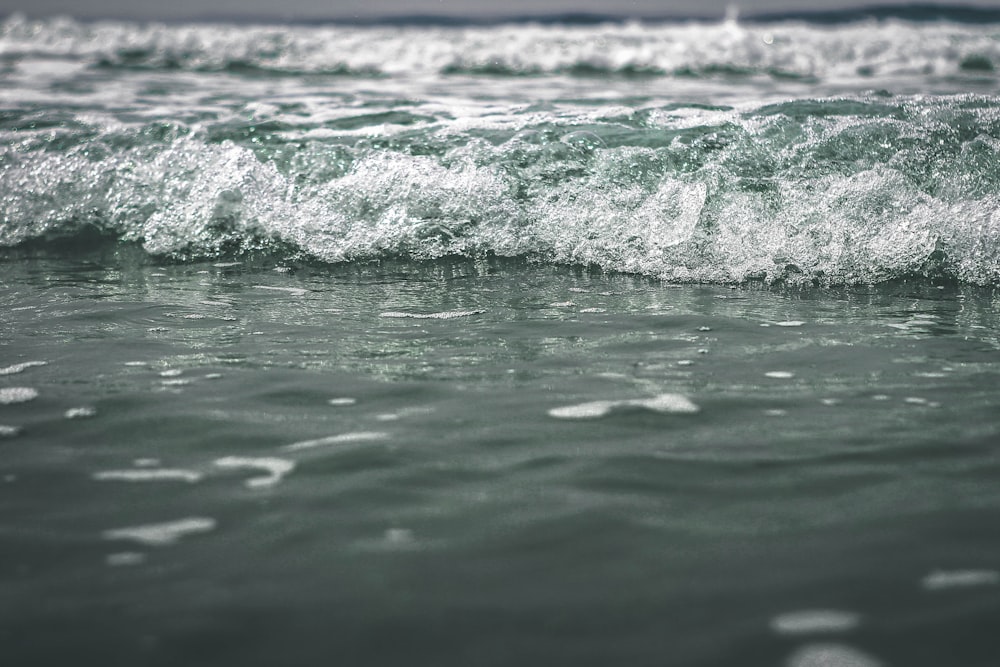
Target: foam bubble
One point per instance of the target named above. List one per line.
(831, 655)
(342, 401)
(343, 438)
(11, 395)
(125, 558)
(171, 373)
(294, 291)
(399, 536)
(942, 580)
(444, 315)
(148, 475)
(82, 412)
(790, 323)
(779, 375)
(21, 367)
(813, 621)
(161, 534)
(275, 468)
(665, 403)
(8, 431)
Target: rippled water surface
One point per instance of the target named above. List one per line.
(224, 463)
(640, 343)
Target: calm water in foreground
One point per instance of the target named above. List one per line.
(491, 463)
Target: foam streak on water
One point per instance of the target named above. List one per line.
(161, 534)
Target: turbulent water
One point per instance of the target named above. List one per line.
(692, 152)
(524, 343)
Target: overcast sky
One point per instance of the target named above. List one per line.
(313, 9)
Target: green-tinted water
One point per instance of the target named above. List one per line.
(262, 464)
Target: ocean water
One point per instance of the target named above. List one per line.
(572, 343)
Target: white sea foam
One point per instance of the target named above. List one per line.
(161, 534)
(125, 558)
(794, 48)
(814, 621)
(294, 291)
(779, 375)
(831, 655)
(148, 475)
(21, 367)
(946, 579)
(795, 172)
(8, 431)
(11, 395)
(342, 401)
(444, 315)
(275, 468)
(666, 403)
(82, 412)
(790, 323)
(342, 439)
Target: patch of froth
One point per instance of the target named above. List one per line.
(275, 468)
(444, 315)
(831, 655)
(8, 431)
(83, 412)
(148, 475)
(12, 395)
(814, 621)
(294, 291)
(125, 558)
(161, 534)
(21, 367)
(393, 539)
(342, 401)
(948, 579)
(333, 440)
(664, 403)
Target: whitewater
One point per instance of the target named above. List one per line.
(711, 152)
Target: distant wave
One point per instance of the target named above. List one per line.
(782, 48)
